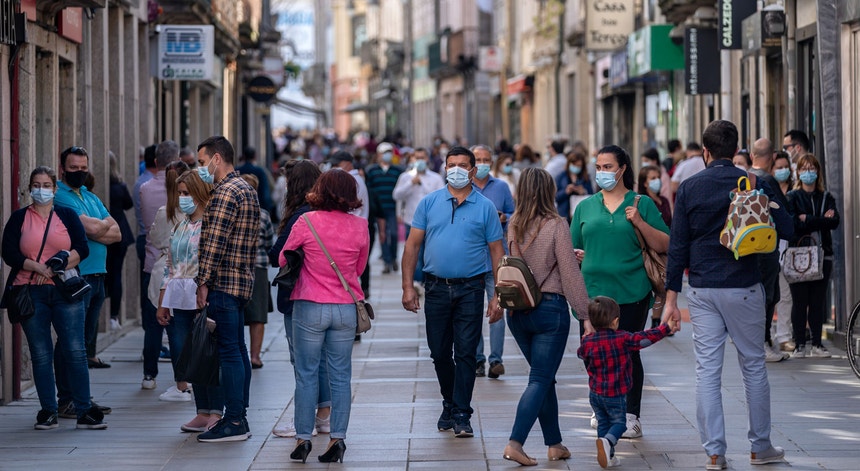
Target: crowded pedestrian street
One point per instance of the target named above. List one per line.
(815, 409)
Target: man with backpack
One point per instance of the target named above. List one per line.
(726, 297)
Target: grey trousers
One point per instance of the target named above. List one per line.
(717, 313)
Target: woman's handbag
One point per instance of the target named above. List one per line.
(805, 263)
(288, 275)
(16, 299)
(199, 361)
(363, 309)
(655, 263)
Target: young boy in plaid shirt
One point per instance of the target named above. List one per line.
(606, 354)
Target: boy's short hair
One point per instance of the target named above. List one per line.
(602, 311)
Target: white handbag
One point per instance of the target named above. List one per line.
(801, 264)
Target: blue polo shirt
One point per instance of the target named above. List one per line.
(499, 193)
(456, 237)
(88, 204)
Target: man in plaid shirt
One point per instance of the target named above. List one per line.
(225, 278)
(606, 354)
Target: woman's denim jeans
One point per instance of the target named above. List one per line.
(51, 308)
(227, 312)
(180, 324)
(323, 334)
(542, 336)
(325, 389)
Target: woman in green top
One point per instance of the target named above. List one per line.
(611, 257)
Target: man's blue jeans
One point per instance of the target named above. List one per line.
(208, 399)
(497, 329)
(152, 330)
(51, 308)
(92, 303)
(323, 334)
(228, 313)
(542, 336)
(611, 414)
(454, 317)
(389, 247)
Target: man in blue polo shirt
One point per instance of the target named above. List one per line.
(499, 193)
(101, 230)
(462, 239)
(726, 297)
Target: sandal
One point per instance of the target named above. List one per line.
(512, 454)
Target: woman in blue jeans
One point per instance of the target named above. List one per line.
(301, 175)
(37, 240)
(324, 315)
(540, 236)
(178, 293)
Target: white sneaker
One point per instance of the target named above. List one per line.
(173, 394)
(799, 352)
(773, 356)
(114, 324)
(593, 421)
(634, 427)
(818, 352)
(323, 425)
(147, 383)
(614, 462)
(288, 430)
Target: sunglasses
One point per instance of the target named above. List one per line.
(77, 150)
(786, 147)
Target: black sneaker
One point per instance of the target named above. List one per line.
(481, 370)
(446, 422)
(496, 369)
(103, 409)
(462, 427)
(225, 431)
(247, 427)
(67, 411)
(92, 420)
(46, 420)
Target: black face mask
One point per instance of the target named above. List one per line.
(76, 179)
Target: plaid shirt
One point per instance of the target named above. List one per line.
(229, 238)
(606, 354)
(267, 238)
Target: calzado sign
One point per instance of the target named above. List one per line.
(608, 23)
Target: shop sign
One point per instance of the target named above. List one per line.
(702, 61)
(70, 24)
(520, 84)
(618, 70)
(262, 89)
(732, 15)
(185, 52)
(490, 59)
(763, 29)
(650, 49)
(608, 23)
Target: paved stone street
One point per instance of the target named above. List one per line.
(816, 411)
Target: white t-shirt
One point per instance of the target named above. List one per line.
(556, 165)
(688, 167)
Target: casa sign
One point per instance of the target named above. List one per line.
(608, 23)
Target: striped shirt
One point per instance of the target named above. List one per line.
(381, 183)
(229, 238)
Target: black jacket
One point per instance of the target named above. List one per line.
(810, 204)
(12, 236)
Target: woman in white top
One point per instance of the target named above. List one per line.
(503, 169)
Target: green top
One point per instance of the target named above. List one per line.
(613, 263)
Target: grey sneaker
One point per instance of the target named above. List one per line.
(716, 462)
(818, 352)
(773, 454)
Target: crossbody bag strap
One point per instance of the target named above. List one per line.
(636, 229)
(330, 260)
(44, 239)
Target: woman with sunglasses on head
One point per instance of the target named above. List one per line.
(815, 215)
(41, 241)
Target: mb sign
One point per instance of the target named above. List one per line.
(185, 52)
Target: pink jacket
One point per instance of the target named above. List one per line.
(347, 240)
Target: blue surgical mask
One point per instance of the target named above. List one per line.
(420, 165)
(574, 169)
(457, 177)
(42, 195)
(205, 175)
(606, 180)
(483, 171)
(508, 169)
(655, 185)
(387, 157)
(808, 177)
(782, 174)
(186, 205)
